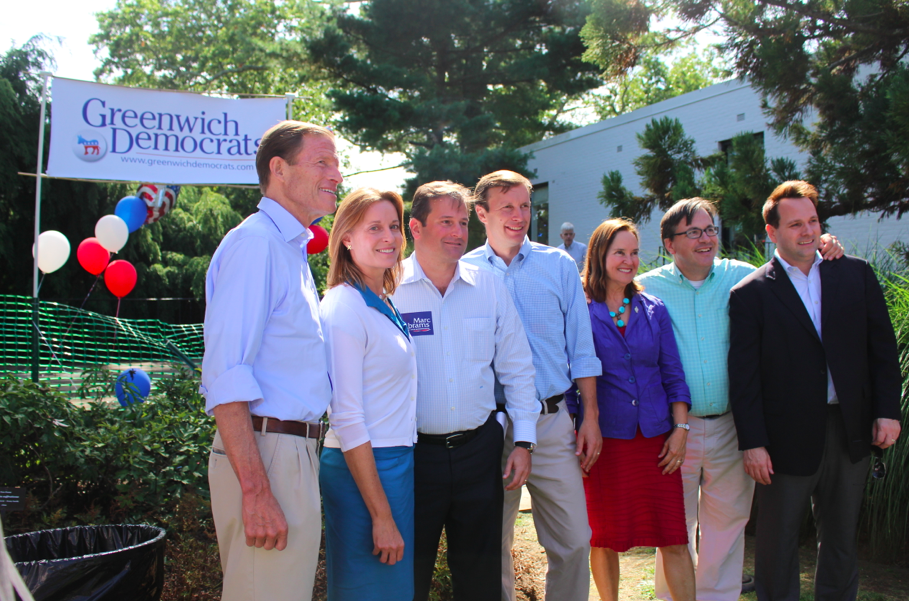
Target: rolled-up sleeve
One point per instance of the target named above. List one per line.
(582, 358)
(514, 367)
(239, 298)
(345, 335)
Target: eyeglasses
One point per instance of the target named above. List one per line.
(878, 468)
(695, 232)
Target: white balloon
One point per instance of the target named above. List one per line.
(112, 232)
(53, 251)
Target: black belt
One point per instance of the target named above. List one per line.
(551, 405)
(450, 441)
(714, 416)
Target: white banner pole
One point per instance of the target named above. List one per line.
(38, 170)
(289, 97)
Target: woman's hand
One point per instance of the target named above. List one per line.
(389, 544)
(673, 453)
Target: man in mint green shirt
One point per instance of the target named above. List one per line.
(695, 289)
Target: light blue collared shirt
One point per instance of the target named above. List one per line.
(546, 290)
(465, 341)
(700, 320)
(263, 337)
(809, 289)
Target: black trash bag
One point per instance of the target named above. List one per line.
(91, 563)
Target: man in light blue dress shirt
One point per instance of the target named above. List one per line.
(467, 335)
(577, 250)
(695, 289)
(546, 290)
(265, 373)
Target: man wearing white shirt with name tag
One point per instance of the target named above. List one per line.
(466, 333)
(265, 373)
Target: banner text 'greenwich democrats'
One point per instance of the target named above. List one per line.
(117, 133)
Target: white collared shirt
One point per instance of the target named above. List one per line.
(464, 340)
(263, 337)
(809, 289)
(374, 372)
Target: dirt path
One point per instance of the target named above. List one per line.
(878, 582)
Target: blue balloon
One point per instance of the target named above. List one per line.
(133, 385)
(133, 211)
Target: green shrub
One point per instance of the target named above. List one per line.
(96, 462)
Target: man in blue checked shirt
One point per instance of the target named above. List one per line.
(546, 290)
(467, 336)
(695, 289)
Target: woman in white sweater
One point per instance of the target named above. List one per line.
(366, 469)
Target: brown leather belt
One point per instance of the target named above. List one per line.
(551, 405)
(276, 426)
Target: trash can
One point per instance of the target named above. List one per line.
(91, 563)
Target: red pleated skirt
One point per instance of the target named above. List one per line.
(630, 503)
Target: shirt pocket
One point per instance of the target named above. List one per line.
(481, 342)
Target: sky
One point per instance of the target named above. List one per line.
(73, 23)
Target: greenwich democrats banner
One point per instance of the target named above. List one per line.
(117, 133)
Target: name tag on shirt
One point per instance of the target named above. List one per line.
(419, 323)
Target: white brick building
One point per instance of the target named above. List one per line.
(570, 166)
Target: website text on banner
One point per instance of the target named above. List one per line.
(115, 133)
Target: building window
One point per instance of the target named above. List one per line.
(539, 214)
(726, 145)
(619, 148)
(740, 117)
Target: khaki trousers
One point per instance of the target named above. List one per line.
(559, 511)
(253, 574)
(718, 496)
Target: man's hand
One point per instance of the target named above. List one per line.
(758, 465)
(673, 453)
(387, 540)
(831, 248)
(519, 463)
(263, 521)
(590, 442)
(885, 432)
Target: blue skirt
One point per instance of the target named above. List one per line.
(354, 573)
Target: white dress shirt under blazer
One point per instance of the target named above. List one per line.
(809, 289)
(374, 372)
(263, 336)
(465, 340)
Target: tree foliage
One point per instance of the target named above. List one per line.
(667, 170)
(455, 85)
(832, 75)
(658, 78)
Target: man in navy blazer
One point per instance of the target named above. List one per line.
(814, 383)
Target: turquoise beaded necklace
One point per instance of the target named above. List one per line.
(620, 323)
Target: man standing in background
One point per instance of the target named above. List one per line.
(577, 250)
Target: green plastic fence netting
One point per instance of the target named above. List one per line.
(72, 340)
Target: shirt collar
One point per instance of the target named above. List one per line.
(522, 254)
(413, 272)
(372, 300)
(818, 259)
(678, 276)
(286, 223)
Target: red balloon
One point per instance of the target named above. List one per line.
(92, 256)
(319, 240)
(120, 278)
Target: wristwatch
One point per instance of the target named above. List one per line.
(526, 445)
(683, 426)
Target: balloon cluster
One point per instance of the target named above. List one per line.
(150, 204)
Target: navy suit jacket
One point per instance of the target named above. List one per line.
(778, 363)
